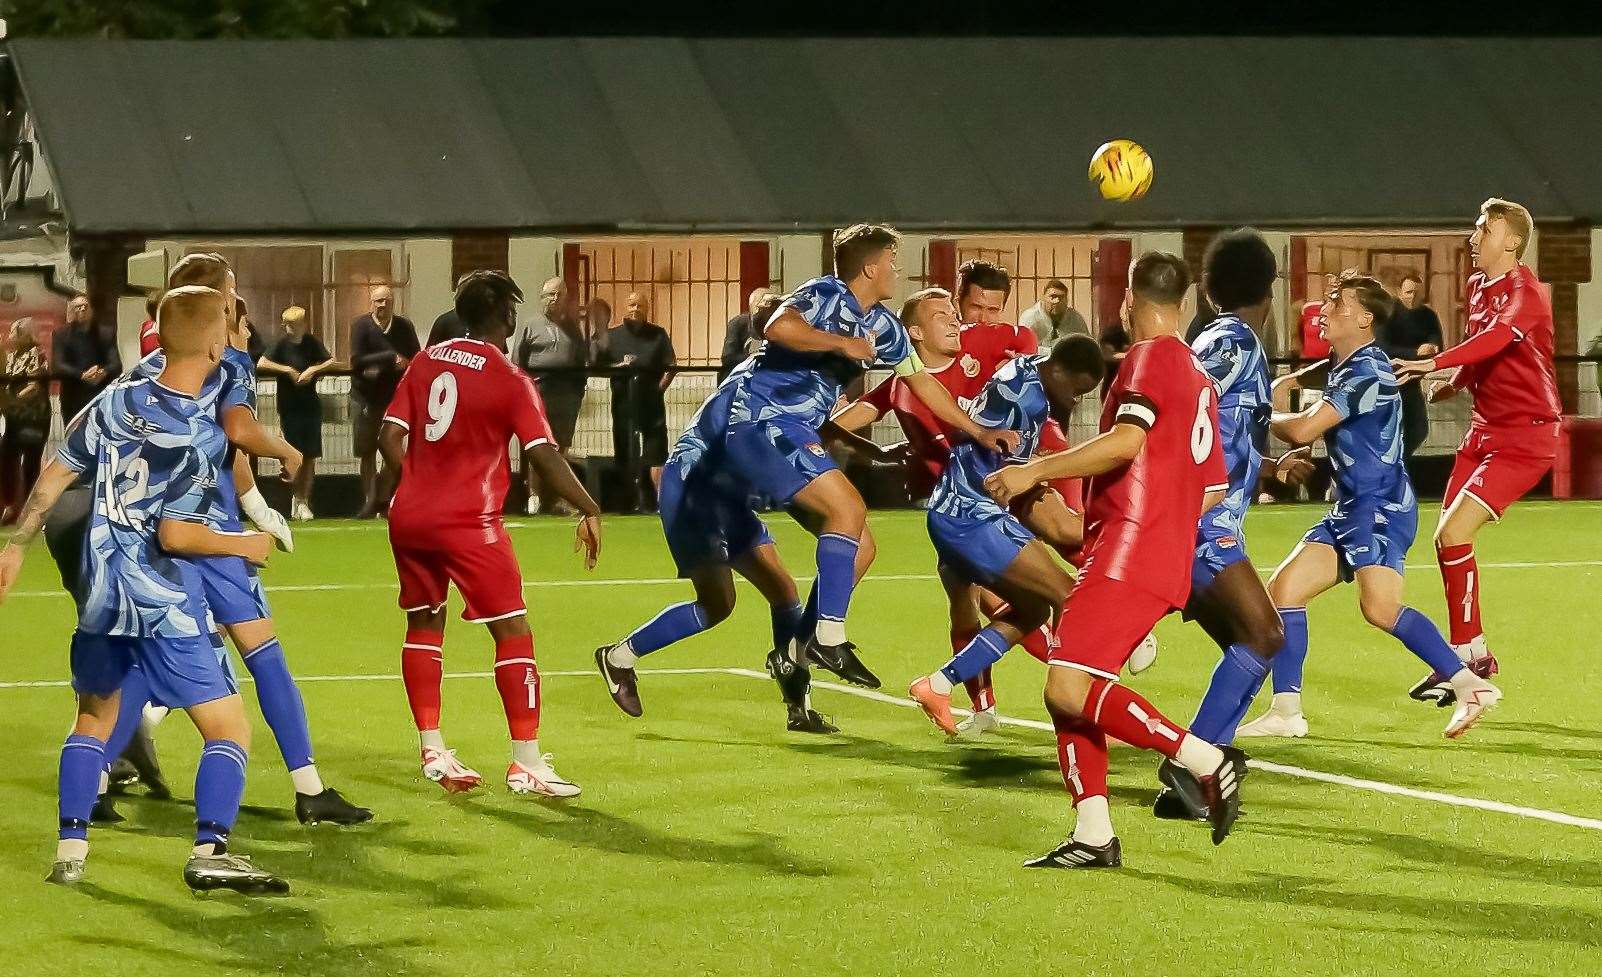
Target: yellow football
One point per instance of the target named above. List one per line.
(1121, 169)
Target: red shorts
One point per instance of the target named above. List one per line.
(1102, 623)
(1497, 466)
(486, 574)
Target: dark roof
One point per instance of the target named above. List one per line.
(399, 136)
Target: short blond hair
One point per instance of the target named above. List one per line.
(1517, 217)
(909, 308)
(292, 315)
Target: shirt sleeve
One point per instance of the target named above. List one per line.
(402, 408)
(1024, 343)
(1000, 403)
(319, 352)
(1137, 402)
(80, 443)
(892, 346)
(815, 302)
(1222, 360)
(528, 418)
(239, 386)
(149, 339)
(879, 397)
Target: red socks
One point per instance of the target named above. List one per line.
(1124, 714)
(1082, 757)
(518, 681)
(1461, 575)
(422, 670)
(1038, 644)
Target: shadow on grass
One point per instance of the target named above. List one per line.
(587, 827)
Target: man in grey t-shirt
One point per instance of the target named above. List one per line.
(552, 350)
(1052, 318)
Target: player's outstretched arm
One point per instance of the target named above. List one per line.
(246, 433)
(791, 331)
(1103, 453)
(944, 406)
(183, 538)
(555, 473)
(1305, 427)
(54, 480)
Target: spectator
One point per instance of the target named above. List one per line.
(84, 357)
(1052, 317)
(639, 409)
(1414, 332)
(744, 334)
(447, 325)
(554, 352)
(254, 344)
(298, 358)
(382, 344)
(26, 399)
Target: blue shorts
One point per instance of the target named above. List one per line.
(1366, 536)
(1219, 543)
(182, 672)
(778, 457)
(980, 548)
(233, 590)
(704, 525)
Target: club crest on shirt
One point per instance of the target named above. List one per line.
(1227, 542)
(816, 449)
(970, 366)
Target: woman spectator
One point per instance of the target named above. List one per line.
(26, 400)
(297, 358)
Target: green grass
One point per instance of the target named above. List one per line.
(707, 840)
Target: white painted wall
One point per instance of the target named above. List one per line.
(1591, 295)
(801, 256)
(431, 290)
(533, 260)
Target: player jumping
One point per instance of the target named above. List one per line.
(1366, 536)
(446, 432)
(1154, 469)
(1506, 363)
(982, 544)
(157, 453)
(822, 336)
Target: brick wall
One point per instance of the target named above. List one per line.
(1196, 240)
(1564, 262)
(472, 250)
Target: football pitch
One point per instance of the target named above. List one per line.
(709, 840)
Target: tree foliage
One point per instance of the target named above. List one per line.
(265, 19)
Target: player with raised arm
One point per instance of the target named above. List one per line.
(233, 589)
(1227, 597)
(1156, 466)
(821, 338)
(713, 531)
(446, 433)
(1506, 364)
(157, 453)
(1366, 535)
(982, 544)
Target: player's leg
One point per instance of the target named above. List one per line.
(99, 667)
(1031, 583)
(1312, 568)
(1379, 594)
(761, 565)
(1237, 599)
(962, 609)
(842, 517)
(842, 660)
(1463, 513)
(713, 584)
(219, 788)
(423, 588)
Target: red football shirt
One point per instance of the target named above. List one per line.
(1506, 361)
(149, 338)
(461, 403)
(1072, 490)
(1140, 524)
(993, 344)
(927, 436)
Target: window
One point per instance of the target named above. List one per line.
(692, 285)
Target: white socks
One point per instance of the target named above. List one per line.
(1199, 756)
(1465, 681)
(1287, 704)
(527, 754)
(431, 739)
(1094, 826)
(307, 781)
(622, 655)
(830, 632)
(72, 849)
(940, 683)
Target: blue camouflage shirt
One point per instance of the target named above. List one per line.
(1365, 448)
(1014, 400)
(1232, 356)
(232, 385)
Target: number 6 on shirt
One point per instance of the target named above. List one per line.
(1201, 432)
(441, 406)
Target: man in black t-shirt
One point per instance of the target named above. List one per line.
(1413, 332)
(297, 358)
(381, 345)
(639, 410)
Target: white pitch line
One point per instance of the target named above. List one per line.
(1377, 786)
(311, 588)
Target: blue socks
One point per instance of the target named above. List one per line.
(1236, 679)
(78, 779)
(786, 625)
(837, 575)
(281, 704)
(1423, 639)
(130, 710)
(983, 651)
(219, 786)
(1288, 661)
(675, 623)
